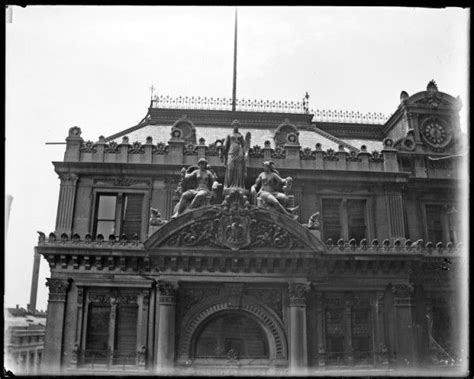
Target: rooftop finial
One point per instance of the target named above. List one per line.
(306, 103)
(152, 92)
(234, 85)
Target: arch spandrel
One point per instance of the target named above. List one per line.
(214, 227)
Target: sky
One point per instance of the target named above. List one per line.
(93, 66)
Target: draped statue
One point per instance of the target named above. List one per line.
(271, 190)
(195, 186)
(234, 154)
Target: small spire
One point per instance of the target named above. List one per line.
(152, 92)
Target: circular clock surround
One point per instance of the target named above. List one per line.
(436, 132)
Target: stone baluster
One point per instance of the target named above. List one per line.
(166, 327)
(123, 150)
(297, 320)
(364, 158)
(53, 345)
(390, 162)
(73, 145)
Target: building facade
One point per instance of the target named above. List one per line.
(24, 340)
(360, 269)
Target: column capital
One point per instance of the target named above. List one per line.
(168, 292)
(70, 179)
(57, 289)
(297, 293)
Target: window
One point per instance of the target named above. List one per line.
(361, 336)
(99, 340)
(118, 214)
(335, 350)
(344, 218)
(442, 224)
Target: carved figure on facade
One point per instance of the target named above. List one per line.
(155, 217)
(313, 222)
(271, 190)
(195, 187)
(234, 154)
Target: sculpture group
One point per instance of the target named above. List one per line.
(199, 184)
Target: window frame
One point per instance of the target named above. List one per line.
(445, 222)
(344, 218)
(119, 193)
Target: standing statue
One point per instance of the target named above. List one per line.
(271, 190)
(195, 186)
(234, 154)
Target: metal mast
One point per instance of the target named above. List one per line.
(234, 85)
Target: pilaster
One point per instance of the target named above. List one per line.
(67, 197)
(54, 324)
(166, 326)
(297, 332)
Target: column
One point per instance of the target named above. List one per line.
(320, 329)
(67, 197)
(404, 336)
(166, 326)
(297, 331)
(54, 324)
(380, 348)
(349, 353)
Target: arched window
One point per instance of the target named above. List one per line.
(231, 334)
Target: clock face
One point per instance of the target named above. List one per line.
(436, 133)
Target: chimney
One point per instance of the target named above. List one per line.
(34, 282)
(17, 306)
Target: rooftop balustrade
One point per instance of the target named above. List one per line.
(270, 106)
(178, 152)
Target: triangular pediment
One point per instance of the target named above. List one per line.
(215, 227)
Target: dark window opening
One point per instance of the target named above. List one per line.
(331, 219)
(434, 223)
(361, 335)
(231, 335)
(97, 339)
(125, 342)
(118, 214)
(335, 336)
(356, 219)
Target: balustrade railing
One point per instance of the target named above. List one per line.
(275, 106)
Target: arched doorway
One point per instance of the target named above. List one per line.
(230, 336)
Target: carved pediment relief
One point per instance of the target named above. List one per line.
(249, 228)
(184, 129)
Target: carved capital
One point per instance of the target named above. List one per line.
(57, 289)
(168, 292)
(68, 179)
(297, 293)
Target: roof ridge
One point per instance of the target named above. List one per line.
(333, 138)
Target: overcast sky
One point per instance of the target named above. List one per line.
(93, 67)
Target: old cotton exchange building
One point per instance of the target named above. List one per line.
(345, 254)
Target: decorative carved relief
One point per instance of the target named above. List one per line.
(168, 292)
(286, 133)
(113, 297)
(269, 296)
(233, 292)
(255, 152)
(111, 148)
(160, 149)
(136, 148)
(88, 147)
(75, 131)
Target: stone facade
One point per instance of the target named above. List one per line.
(361, 285)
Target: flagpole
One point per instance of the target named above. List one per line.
(234, 86)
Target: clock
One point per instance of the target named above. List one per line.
(436, 133)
